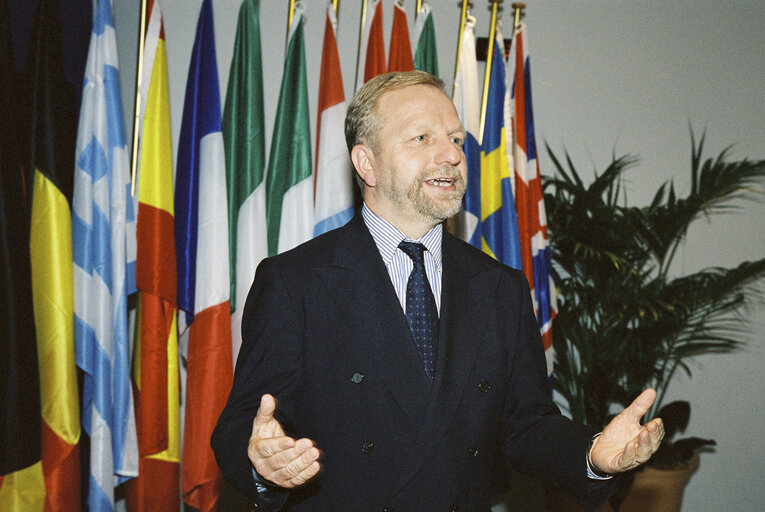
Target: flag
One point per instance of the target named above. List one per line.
(50, 110)
(424, 41)
(245, 145)
(532, 221)
(334, 172)
(201, 241)
(155, 358)
(371, 57)
(499, 224)
(102, 208)
(19, 377)
(288, 180)
(400, 57)
(467, 101)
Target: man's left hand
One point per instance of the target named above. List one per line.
(625, 443)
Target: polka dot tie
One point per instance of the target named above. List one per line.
(421, 311)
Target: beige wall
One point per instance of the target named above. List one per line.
(608, 76)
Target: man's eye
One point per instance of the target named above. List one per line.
(458, 141)
(420, 138)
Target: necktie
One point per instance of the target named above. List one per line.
(421, 312)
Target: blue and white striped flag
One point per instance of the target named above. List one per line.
(103, 237)
(467, 100)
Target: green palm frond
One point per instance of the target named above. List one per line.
(623, 322)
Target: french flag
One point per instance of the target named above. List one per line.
(201, 239)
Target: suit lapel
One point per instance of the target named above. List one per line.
(359, 284)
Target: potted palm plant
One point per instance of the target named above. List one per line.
(625, 320)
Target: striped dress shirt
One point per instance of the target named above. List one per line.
(398, 264)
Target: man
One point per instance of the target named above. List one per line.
(408, 377)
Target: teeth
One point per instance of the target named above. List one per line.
(441, 182)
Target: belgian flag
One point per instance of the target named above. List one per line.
(49, 106)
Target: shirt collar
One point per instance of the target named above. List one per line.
(387, 236)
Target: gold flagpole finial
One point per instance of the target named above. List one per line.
(136, 117)
(489, 60)
(334, 6)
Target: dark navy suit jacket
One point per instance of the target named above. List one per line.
(324, 332)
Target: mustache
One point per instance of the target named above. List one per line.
(447, 171)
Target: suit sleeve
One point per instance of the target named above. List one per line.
(537, 439)
(269, 362)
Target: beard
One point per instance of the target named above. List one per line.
(412, 195)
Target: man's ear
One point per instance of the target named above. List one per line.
(363, 159)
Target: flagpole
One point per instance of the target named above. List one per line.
(136, 121)
(334, 6)
(289, 17)
(465, 8)
(489, 60)
(361, 32)
(417, 8)
(518, 6)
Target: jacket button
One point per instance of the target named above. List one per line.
(473, 451)
(388, 509)
(455, 508)
(367, 447)
(253, 507)
(357, 377)
(484, 386)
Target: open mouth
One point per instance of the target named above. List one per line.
(441, 182)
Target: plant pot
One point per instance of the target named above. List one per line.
(659, 490)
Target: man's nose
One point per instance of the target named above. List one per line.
(447, 152)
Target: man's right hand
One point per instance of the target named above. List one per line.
(276, 457)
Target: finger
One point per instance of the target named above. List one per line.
(265, 411)
(641, 404)
(643, 452)
(268, 447)
(627, 459)
(284, 458)
(656, 430)
(299, 470)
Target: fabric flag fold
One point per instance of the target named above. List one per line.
(289, 187)
(371, 57)
(466, 97)
(400, 49)
(499, 224)
(424, 41)
(49, 146)
(245, 145)
(101, 209)
(155, 358)
(532, 220)
(19, 376)
(334, 173)
(201, 238)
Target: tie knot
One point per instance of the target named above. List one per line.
(414, 250)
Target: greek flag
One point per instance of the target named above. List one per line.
(103, 239)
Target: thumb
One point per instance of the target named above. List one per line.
(265, 411)
(641, 404)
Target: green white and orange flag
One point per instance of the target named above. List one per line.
(424, 41)
(53, 483)
(289, 184)
(245, 145)
(155, 360)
